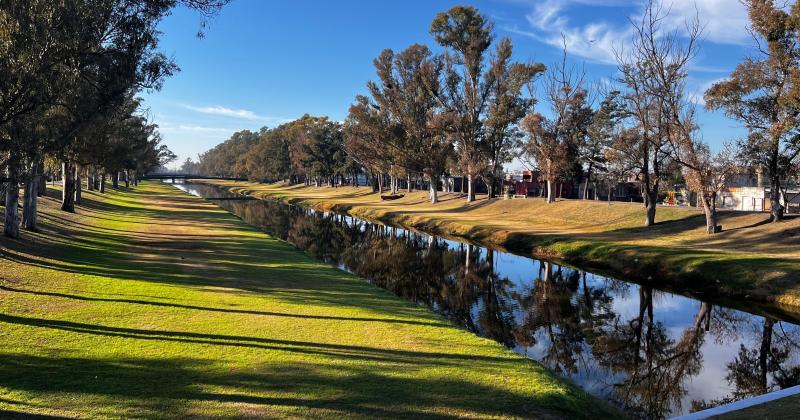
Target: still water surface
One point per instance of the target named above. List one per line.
(653, 353)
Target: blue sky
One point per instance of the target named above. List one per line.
(265, 62)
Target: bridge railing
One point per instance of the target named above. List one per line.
(189, 176)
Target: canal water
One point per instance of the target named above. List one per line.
(654, 354)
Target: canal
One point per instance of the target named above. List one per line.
(653, 353)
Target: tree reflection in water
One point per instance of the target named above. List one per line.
(652, 353)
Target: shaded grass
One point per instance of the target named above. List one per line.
(152, 303)
(781, 409)
(751, 259)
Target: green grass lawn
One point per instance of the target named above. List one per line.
(153, 303)
(786, 408)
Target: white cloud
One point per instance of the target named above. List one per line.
(233, 113)
(725, 22)
(175, 128)
(696, 95)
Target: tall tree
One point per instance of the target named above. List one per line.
(653, 72)
(763, 92)
(409, 83)
(366, 129)
(467, 35)
(506, 108)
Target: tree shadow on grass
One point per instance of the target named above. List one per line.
(148, 387)
(222, 310)
(235, 263)
(324, 349)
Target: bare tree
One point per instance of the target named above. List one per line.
(706, 174)
(554, 142)
(653, 73)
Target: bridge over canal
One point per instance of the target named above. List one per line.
(173, 177)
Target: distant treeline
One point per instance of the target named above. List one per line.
(472, 109)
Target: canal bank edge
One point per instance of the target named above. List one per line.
(697, 272)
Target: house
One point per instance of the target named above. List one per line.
(529, 184)
(748, 191)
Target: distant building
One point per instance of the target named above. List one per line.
(747, 191)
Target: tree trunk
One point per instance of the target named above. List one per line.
(776, 210)
(586, 186)
(433, 190)
(68, 187)
(408, 180)
(380, 183)
(470, 188)
(41, 191)
(551, 198)
(115, 180)
(90, 181)
(12, 195)
(650, 202)
(102, 182)
(30, 202)
(710, 211)
(127, 180)
(78, 184)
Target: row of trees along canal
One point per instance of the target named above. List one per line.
(471, 109)
(70, 74)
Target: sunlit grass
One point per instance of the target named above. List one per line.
(152, 303)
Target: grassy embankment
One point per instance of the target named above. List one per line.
(153, 303)
(751, 258)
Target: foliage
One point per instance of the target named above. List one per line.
(763, 93)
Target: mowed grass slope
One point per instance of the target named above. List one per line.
(750, 258)
(153, 303)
